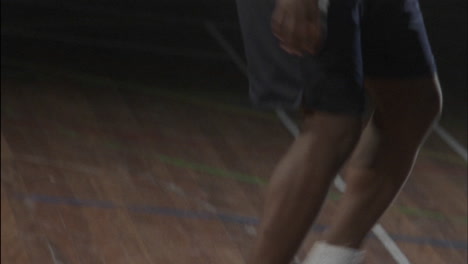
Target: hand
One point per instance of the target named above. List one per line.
(298, 26)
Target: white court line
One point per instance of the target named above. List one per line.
(226, 46)
(378, 230)
(52, 253)
(288, 122)
(118, 44)
(451, 141)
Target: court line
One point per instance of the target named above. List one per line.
(288, 122)
(114, 44)
(52, 253)
(73, 132)
(168, 211)
(206, 169)
(451, 141)
(210, 170)
(207, 215)
(211, 28)
(378, 230)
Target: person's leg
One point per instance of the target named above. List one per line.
(300, 182)
(405, 111)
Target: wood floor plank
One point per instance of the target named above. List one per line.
(29, 230)
(13, 248)
(132, 178)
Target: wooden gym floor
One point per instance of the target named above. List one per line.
(146, 151)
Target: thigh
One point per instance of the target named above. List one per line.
(405, 107)
(404, 111)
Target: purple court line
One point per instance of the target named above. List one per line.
(223, 217)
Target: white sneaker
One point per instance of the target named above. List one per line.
(323, 253)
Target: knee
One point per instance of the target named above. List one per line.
(418, 111)
(334, 135)
(335, 127)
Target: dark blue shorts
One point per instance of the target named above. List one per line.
(372, 38)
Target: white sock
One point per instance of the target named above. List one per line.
(323, 253)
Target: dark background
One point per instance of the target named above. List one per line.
(166, 43)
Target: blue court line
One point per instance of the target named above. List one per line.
(223, 217)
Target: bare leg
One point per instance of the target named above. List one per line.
(300, 182)
(405, 111)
